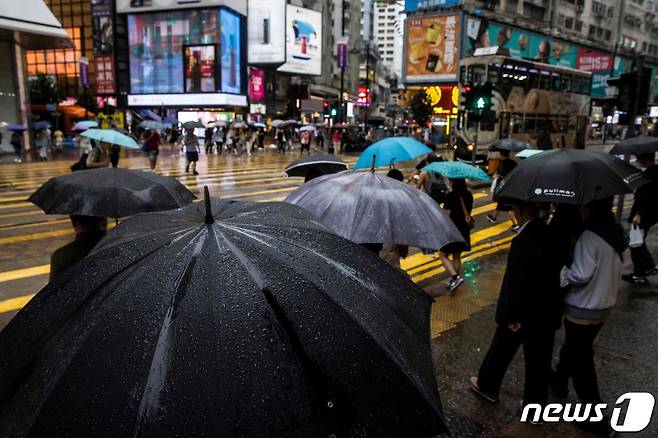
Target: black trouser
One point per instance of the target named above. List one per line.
(643, 261)
(577, 360)
(538, 351)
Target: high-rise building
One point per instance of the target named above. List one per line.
(388, 30)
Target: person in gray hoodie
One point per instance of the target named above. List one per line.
(593, 281)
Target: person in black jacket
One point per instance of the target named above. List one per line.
(644, 213)
(528, 313)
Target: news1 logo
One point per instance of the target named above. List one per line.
(639, 408)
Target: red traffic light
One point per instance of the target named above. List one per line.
(325, 104)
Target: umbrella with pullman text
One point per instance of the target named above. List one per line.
(227, 319)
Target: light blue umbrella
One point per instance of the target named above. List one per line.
(152, 124)
(457, 169)
(87, 123)
(111, 136)
(527, 153)
(391, 150)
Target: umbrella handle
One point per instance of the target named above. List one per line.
(206, 200)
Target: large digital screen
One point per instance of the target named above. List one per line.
(132, 6)
(231, 38)
(266, 24)
(200, 69)
(303, 41)
(164, 47)
(432, 46)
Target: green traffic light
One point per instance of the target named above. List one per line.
(480, 103)
(333, 111)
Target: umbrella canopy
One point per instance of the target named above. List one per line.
(203, 324)
(111, 136)
(110, 192)
(277, 123)
(170, 120)
(509, 144)
(16, 127)
(636, 146)
(238, 124)
(310, 128)
(324, 164)
(193, 124)
(527, 153)
(340, 125)
(87, 124)
(257, 124)
(457, 169)
(569, 176)
(216, 123)
(152, 124)
(366, 207)
(41, 124)
(391, 150)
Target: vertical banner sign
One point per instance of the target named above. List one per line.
(341, 54)
(103, 29)
(83, 68)
(256, 85)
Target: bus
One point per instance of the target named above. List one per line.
(530, 99)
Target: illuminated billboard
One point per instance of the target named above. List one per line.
(266, 24)
(303, 41)
(431, 49)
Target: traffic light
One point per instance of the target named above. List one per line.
(466, 98)
(481, 98)
(325, 106)
(627, 84)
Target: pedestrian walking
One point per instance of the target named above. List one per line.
(281, 141)
(392, 253)
(458, 204)
(593, 283)
(249, 141)
(174, 137)
(261, 139)
(42, 142)
(115, 153)
(644, 214)
(99, 156)
(191, 143)
(319, 139)
(229, 140)
(505, 166)
(152, 146)
(208, 140)
(58, 140)
(305, 140)
(89, 230)
(528, 312)
(218, 139)
(335, 141)
(17, 143)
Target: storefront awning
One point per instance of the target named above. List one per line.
(32, 25)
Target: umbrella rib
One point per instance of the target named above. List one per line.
(157, 374)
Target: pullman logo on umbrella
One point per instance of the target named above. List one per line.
(556, 192)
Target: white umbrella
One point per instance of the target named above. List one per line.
(310, 128)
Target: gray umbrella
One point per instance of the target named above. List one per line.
(193, 124)
(509, 144)
(367, 207)
(239, 319)
(636, 146)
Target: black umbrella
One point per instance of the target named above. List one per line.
(193, 124)
(110, 192)
(636, 146)
(250, 321)
(320, 163)
(569, 176)
(509, 144)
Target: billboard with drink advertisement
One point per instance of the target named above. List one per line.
(231, 53)
(266, 27)
(303, 41)
(200, 69)
(431, 49)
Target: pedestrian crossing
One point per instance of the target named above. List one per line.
(28, 237)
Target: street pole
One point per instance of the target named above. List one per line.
(342, 68)
(475, 142)
(365, 107)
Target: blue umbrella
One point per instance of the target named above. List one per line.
(457, 169)
(171, 120)
(152, 124)
(41, 124)
(111, 136)
(83, 125)
(391, 150)
(16, 127)
(527, 153)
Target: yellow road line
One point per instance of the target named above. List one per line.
(32, 224)
(18, 274)
(14, 303)
(21, 214)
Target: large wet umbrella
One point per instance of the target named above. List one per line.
(111, 136)
(193, 124)
(250, 321)
(569, 176)
(320, 163)
(457, 169)
(366, 207)
(110, 192)
(391, 150)
(509, 144)
(636, 146)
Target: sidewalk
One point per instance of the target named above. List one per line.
(626, 353)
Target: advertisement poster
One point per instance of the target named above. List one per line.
(156, 44)
(520, 43)
(200, 69)
(266, 24)
(134, 6)
(414, 5)
(256, 84)
(431, 49)
(303, 41)
(105, 77)
(231, 40)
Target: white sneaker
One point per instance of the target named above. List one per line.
(454, 283)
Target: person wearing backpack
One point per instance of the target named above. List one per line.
(644, 214)
(458, 204)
